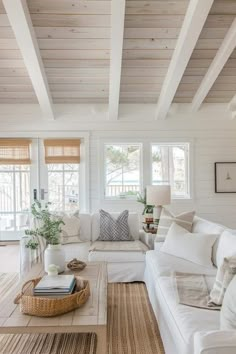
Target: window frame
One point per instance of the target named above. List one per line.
(188, 169)
(103, 168)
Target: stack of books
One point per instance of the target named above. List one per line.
(55, 286)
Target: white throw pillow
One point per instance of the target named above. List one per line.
(225, 274)
(70, 232)
(228, 310)
(196, 248)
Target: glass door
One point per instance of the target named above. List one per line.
(56, 182)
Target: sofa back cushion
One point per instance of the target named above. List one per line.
(226, 246)
(133, 222)
(204, 226)
(85, 227)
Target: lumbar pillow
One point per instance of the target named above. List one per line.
(225, 274)
(70, 231)
(112, 229)
(196, 248)
(184, 220)
(228, 310)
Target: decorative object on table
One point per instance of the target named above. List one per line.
(112, 229)
(148, 209)
(225, 177)
(76, 264)
(48, 307)
(158, 196)
(53, 270)
(48, 228)
(149, 229)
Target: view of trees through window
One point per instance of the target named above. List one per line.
(122, 170)
(63, 186)
(170, 166)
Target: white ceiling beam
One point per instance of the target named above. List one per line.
(117, 34)
(193, 23)
(20, 20)
(227, 47)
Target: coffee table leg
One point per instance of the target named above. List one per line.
(101, 340)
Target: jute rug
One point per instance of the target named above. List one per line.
(132, 328)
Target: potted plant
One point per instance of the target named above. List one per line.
(148, 209)
(47, 226)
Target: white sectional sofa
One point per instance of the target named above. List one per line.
(184, 329)
(123, 265)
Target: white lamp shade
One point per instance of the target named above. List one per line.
(158, 195)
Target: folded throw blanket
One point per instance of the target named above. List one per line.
(114, 246)
(192, 290)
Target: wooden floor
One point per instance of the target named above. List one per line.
(9, 258)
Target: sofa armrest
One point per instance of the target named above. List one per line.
(147, 239)
(215, 342)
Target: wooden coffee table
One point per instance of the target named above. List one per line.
(92, 317)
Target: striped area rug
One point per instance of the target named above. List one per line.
(132, 327)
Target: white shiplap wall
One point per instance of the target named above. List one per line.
(211, 133)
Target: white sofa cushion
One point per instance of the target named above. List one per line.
(204, 226)
(116, 252)
(77, 250)
(187, 319)
(85, 227)
(196, 248)
(164, 264)
(226, 246)
(133, 222)
(228, 310)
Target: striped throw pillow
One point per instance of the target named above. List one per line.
(184, 220)
(112, 229)
(225, 274)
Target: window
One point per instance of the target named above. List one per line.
(63, 186)
(14, 184)
(62, 157)
(122, 170)
(170, 165)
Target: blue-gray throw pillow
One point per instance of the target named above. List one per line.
(112, 229)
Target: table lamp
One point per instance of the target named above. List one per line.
(158, 196)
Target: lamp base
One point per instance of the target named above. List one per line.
(156, 214)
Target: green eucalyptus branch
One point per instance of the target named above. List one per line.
(49, 226)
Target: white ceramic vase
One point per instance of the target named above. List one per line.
(54, 254)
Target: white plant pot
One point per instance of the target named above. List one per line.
(54, 254)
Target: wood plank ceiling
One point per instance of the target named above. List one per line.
(74, 41)
(15, 84)
(218, 23)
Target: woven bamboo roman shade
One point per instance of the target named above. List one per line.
(62, 150)
(15, 151)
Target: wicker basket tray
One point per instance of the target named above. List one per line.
(47, 307)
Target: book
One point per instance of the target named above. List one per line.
(61, 282)
(56, 293)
